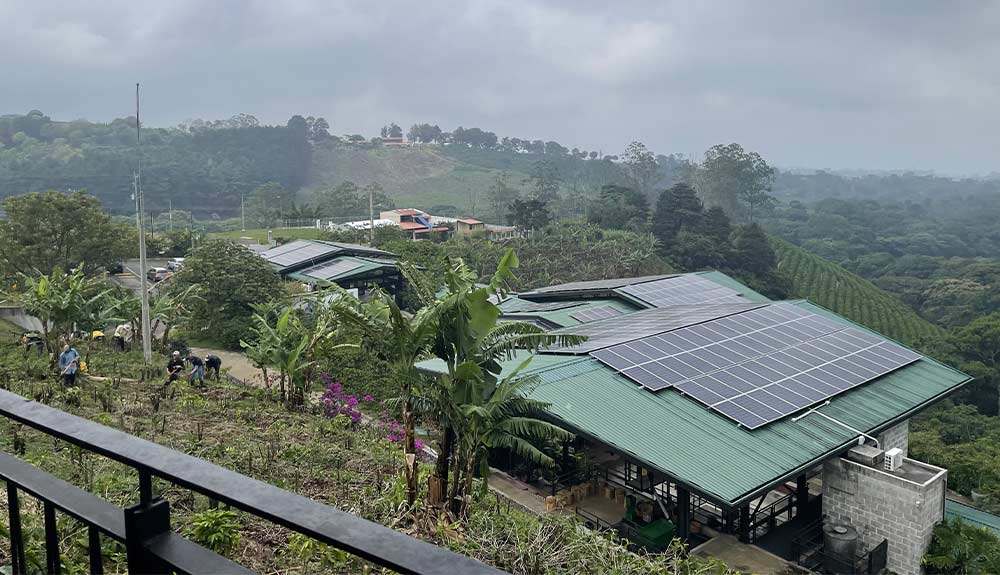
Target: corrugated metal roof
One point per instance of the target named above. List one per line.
(708, 452)
(972, 516)
(364, 265)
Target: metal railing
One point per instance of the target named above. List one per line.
(144, 528)
(808, 550)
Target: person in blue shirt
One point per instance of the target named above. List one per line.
(69, 362)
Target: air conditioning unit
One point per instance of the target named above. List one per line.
(893, 459)
(866, 455)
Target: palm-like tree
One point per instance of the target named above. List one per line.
(408, 339)
(474, 346)
(60, 300)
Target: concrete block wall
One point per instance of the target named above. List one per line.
(882, 505)
(897, 436)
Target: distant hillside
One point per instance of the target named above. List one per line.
(421, 177)
(850, 295)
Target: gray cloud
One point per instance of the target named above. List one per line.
(894, 84)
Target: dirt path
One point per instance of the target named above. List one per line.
(237, 364)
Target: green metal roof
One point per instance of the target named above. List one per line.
(708, 452)
(972, 516)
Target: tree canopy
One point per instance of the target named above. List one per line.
(48, 230)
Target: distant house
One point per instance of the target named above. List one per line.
(415, 222)
(468, 226)
(394, 142)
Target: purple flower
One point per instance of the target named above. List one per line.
(368, 397)
(352, 401)
(418, 444)
(391, 438)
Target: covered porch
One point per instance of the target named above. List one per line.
(610, 490)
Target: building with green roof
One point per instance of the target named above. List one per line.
(317, 263)
(714, 469)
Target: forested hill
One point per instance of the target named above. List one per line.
(852, 296)
(203, 167)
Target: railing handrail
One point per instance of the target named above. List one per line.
(371, 541)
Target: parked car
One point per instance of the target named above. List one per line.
(175, 264)
(157, 274)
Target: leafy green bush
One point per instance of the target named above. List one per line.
(959, 547)
(216, 529)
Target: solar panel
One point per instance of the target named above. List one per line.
(305, 253)
(760, 365)
(770, 388)
(620, 329)
(680, 290)
(332, 269)
(284, 248)
(671, 358)
(594, 314)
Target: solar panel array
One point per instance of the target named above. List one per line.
(619, 329)
(758, 366)
(332, 269)
(298, 252)
(595, 314)
(680, 290)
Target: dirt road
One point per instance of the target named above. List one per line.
(237, 363)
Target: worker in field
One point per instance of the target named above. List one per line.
(197, 370)
(175, 366)
(213, 363)
(69, 362)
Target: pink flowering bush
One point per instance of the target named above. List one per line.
(337, 402)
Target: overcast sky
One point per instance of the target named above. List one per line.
(836, 84)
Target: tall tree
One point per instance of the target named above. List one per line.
(619, 207)
(716, 225)
(737, 180)
(268, 203)
(48, 230)
(529, 214)
(640, 167)
(677, 208)
(231, 280)
(754, 253)
(544, 180)
(502, 194)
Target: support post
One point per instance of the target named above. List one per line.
(53, 564)
(801, 494)
(683, 512)
(17, 563)
(142, 523)
(744, 527)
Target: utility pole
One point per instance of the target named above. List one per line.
(147, 347)
(371, 215)
(243, 214)
(170, 213)
(192, 230)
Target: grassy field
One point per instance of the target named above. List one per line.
(852, 296)
(261, 234)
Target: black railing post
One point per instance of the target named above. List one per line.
(142, 523)
(145, 487)
(94, 550)
(53, 564)
(17, 566)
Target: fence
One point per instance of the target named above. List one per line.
(144, 528)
